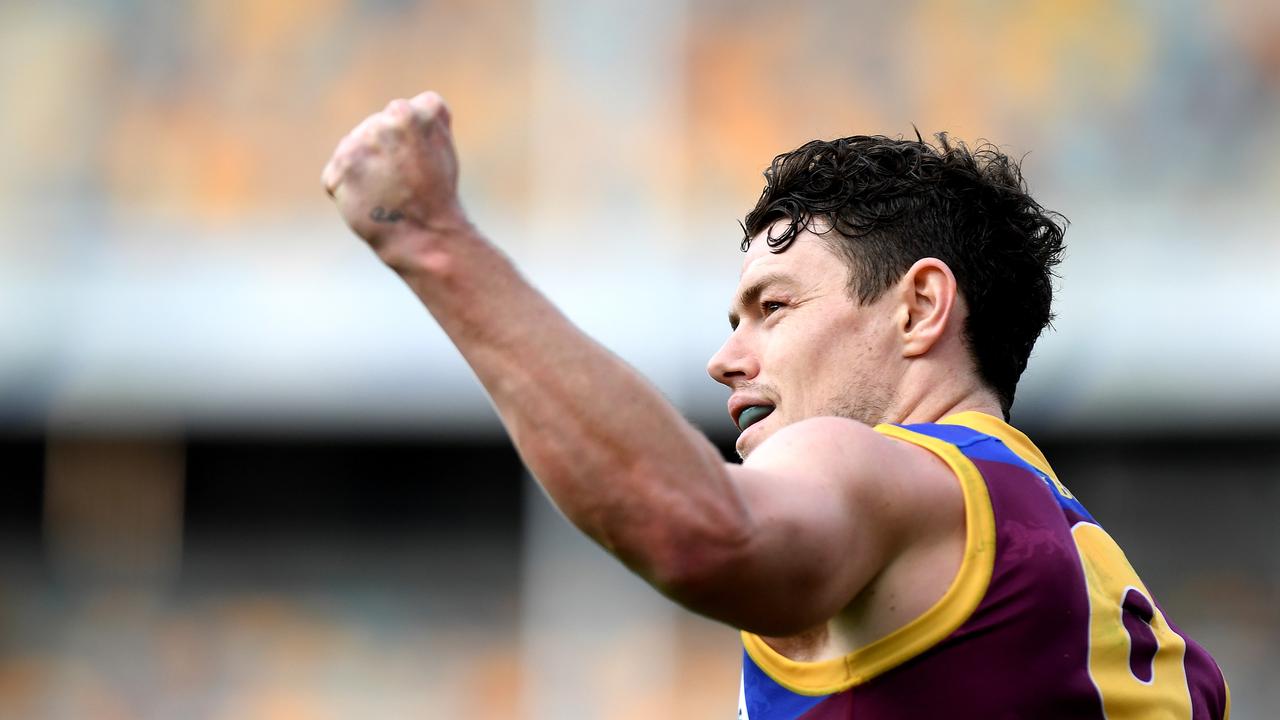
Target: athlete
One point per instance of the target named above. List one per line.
(890, 547)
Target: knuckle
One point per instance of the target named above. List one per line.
(393, 127)
(388, 131)
(428, 104)
(365, 124)
(346, 149)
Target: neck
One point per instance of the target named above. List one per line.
(932, 406)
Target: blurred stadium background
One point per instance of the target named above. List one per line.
(243, 475)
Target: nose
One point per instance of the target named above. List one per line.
(733, 362)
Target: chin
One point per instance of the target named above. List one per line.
(751, 438)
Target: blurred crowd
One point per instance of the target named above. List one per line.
(212, 111)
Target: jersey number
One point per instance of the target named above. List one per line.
(1135, 658)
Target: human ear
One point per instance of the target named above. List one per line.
(928, 297)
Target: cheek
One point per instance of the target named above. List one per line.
(841, 363)
(823, 355)
(802, 361)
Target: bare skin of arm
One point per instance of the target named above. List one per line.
(777, 545)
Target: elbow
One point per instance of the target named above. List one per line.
(730, 579)
(683, 555)
(695, 570)
(732, 590)
(684, 541)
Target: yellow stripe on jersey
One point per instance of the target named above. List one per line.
(1013, 439)
(1226, 713)
(950, 612)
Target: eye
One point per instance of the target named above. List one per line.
(769, 307)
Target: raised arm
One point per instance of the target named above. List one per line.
(775, 546)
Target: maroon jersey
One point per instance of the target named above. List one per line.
(1045, 619)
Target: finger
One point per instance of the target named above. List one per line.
(388, 130)
(362, 132)
(398, 109)
(340, 194)
(330, 178)
(430, 106)
(340, 162)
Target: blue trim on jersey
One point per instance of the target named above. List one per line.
(767, 700)
(972, 444)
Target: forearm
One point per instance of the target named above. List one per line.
(617, 459)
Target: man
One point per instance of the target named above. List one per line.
(890, 547)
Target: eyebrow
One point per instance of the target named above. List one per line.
(750, 295)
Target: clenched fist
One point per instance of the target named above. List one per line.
(395, 178)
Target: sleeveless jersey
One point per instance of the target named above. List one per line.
(1045, 619)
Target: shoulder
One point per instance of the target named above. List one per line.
(850, 449)
(833, 435)
(907, 484)
(829, 505)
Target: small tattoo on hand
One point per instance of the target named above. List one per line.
(383, 215)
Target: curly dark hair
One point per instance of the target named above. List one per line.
(885, 203)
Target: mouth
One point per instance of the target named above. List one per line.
(753, 414)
